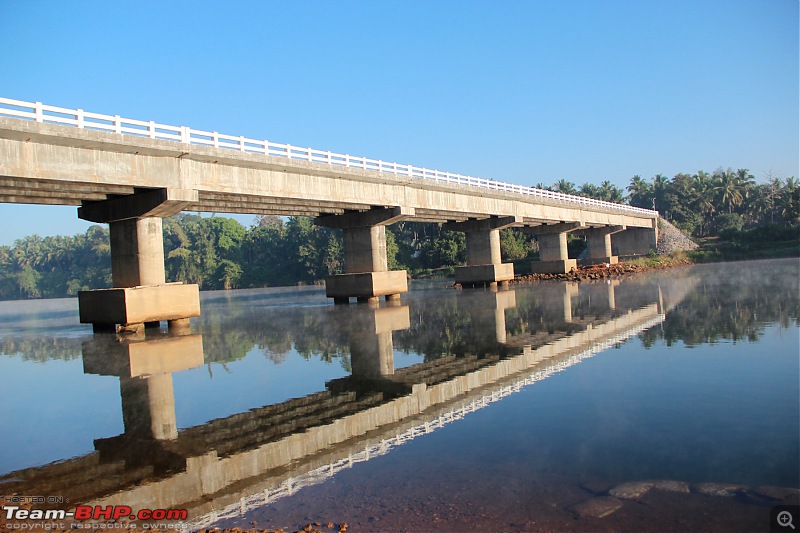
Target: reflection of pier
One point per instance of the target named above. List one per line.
(254, 457)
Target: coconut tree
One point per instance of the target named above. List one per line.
(730, 187)
(565, 187)
(641, 193)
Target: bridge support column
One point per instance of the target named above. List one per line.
(490, 313)
(371, 344)
(484, 263)
(140, 297)
(571, 290)
(553, 254)
(636, 241)
(367, 276)
(145, 368)
(598, 242)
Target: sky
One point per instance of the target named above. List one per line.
(519, 91)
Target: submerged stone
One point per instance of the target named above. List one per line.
(598, 507)
(671, 485)
(777, 493)
(632, 490)
(718, 489)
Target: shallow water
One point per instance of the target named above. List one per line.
(455, 410)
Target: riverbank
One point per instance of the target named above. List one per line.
(603, 271)
(709, 251)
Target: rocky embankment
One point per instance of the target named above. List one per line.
(604, 271)
(671, 239)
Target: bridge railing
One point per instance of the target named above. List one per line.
(79, 118)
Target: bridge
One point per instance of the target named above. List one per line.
(132, 173)
(233, 464)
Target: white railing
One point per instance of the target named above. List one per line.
(371, 451)
(125, 126)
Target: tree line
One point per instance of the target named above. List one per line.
(703, 204)
(219, 253)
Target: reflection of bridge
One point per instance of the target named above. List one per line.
(261, 454)
(130, 174)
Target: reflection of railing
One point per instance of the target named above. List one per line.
(125, 126)
(320, 474)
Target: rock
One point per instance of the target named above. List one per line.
(718, 489)
(632, 490)
(777, 493)
(670, 485)
(598, 507)
(671, 239)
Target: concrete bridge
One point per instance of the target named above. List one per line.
(131, 173)
(251, 458)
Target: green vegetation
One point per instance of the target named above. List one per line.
(731, 215)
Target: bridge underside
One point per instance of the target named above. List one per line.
(99, 171)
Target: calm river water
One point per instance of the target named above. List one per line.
(658, 402)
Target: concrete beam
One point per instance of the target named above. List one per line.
(604, 230)
(145, 203)
(486, 224)
(550, 229)
(373, 217)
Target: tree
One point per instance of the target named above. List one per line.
(640, 193)
(730, 187)
(565, 187)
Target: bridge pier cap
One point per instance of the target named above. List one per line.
(140, 294)
(367, 276)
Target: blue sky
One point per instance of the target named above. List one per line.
(524, 92)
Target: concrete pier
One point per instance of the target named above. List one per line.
(491, 313)
(598, 243)
(140, 295)
(553, 253)
(636, 241)
(144, 367)
(484, 263)
(367, 276)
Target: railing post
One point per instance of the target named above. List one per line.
(117, 124)
(151, 129)
(79, 118)
(39, 111)
(185, 135)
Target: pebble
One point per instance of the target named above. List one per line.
(598, 507)
(632, 490)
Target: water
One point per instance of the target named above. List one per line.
(456, 410)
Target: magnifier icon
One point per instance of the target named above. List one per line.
(785, 519)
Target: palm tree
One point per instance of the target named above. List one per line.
(589, 190)
(729, 188)
(660, 186)
(610, 192)
(565, 187)
(641, 193)
(703, 201)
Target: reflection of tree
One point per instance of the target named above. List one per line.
(728, 302)
(732, 304)
(42, 349)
